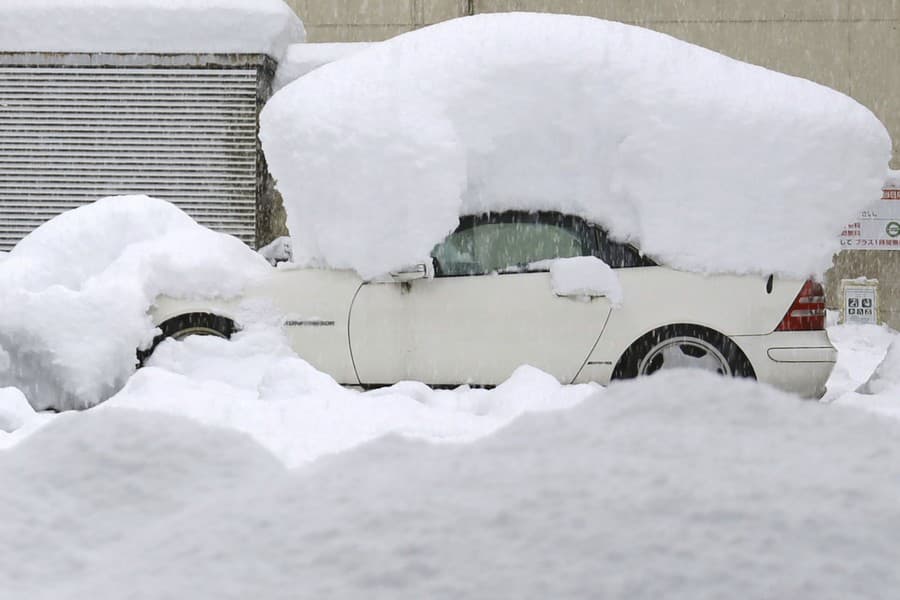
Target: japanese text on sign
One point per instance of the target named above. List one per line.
(878, 227)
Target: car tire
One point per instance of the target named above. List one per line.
(683, 346)
(187, 325)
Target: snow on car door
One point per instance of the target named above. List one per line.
(471, 329)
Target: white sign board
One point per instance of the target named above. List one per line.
(878, 227)
(860, 301)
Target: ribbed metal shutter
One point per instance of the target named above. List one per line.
(71, 135)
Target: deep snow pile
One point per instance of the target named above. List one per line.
(256, 384)
(18, 420)
(887, 374)
(15, 411)
(705, 162)
(861, 348)
(191, 26)
(75, 293)
(640, 492)
(875, 351)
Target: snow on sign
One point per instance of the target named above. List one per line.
(878, 227)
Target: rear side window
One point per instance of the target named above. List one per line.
(618, 255)
(511, 243)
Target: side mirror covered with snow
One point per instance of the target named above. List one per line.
(278, 251)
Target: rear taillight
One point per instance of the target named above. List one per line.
(807, 313)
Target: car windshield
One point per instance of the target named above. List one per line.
(508, 244)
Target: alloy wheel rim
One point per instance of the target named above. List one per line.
(684, 353)
(197, 331)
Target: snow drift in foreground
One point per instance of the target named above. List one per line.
(256, 384)
(75, 293)
(640, 492)
(153, 26)
(706, 163)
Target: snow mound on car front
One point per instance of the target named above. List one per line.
(707, 163)
(75, 293)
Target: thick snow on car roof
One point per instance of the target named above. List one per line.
(705, 162)
(208, 26)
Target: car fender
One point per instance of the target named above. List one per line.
(655, 297)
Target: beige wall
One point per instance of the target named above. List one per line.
(850, 45)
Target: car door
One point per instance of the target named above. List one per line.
(314, 305)
(489, 309)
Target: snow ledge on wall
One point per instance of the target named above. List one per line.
(152, 26)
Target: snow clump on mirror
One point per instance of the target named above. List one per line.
(705, 162)
(75, 293)
(154, 26)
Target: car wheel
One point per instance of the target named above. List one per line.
(683, 347)
(187, 325)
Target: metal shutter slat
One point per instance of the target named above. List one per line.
(71, 135)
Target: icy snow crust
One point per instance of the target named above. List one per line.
(706, 163)
(154, 26)
(639, 492)
(75, 293)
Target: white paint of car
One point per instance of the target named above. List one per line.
(478, 329)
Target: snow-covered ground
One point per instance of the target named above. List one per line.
(677, 486)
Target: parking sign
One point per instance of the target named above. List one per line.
(859, 301)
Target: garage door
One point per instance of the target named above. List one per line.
(71, 135)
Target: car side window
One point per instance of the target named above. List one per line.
(510, 243)
(619, 255)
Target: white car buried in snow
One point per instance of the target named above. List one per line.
(488, 303)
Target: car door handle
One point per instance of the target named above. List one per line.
(582, 297)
